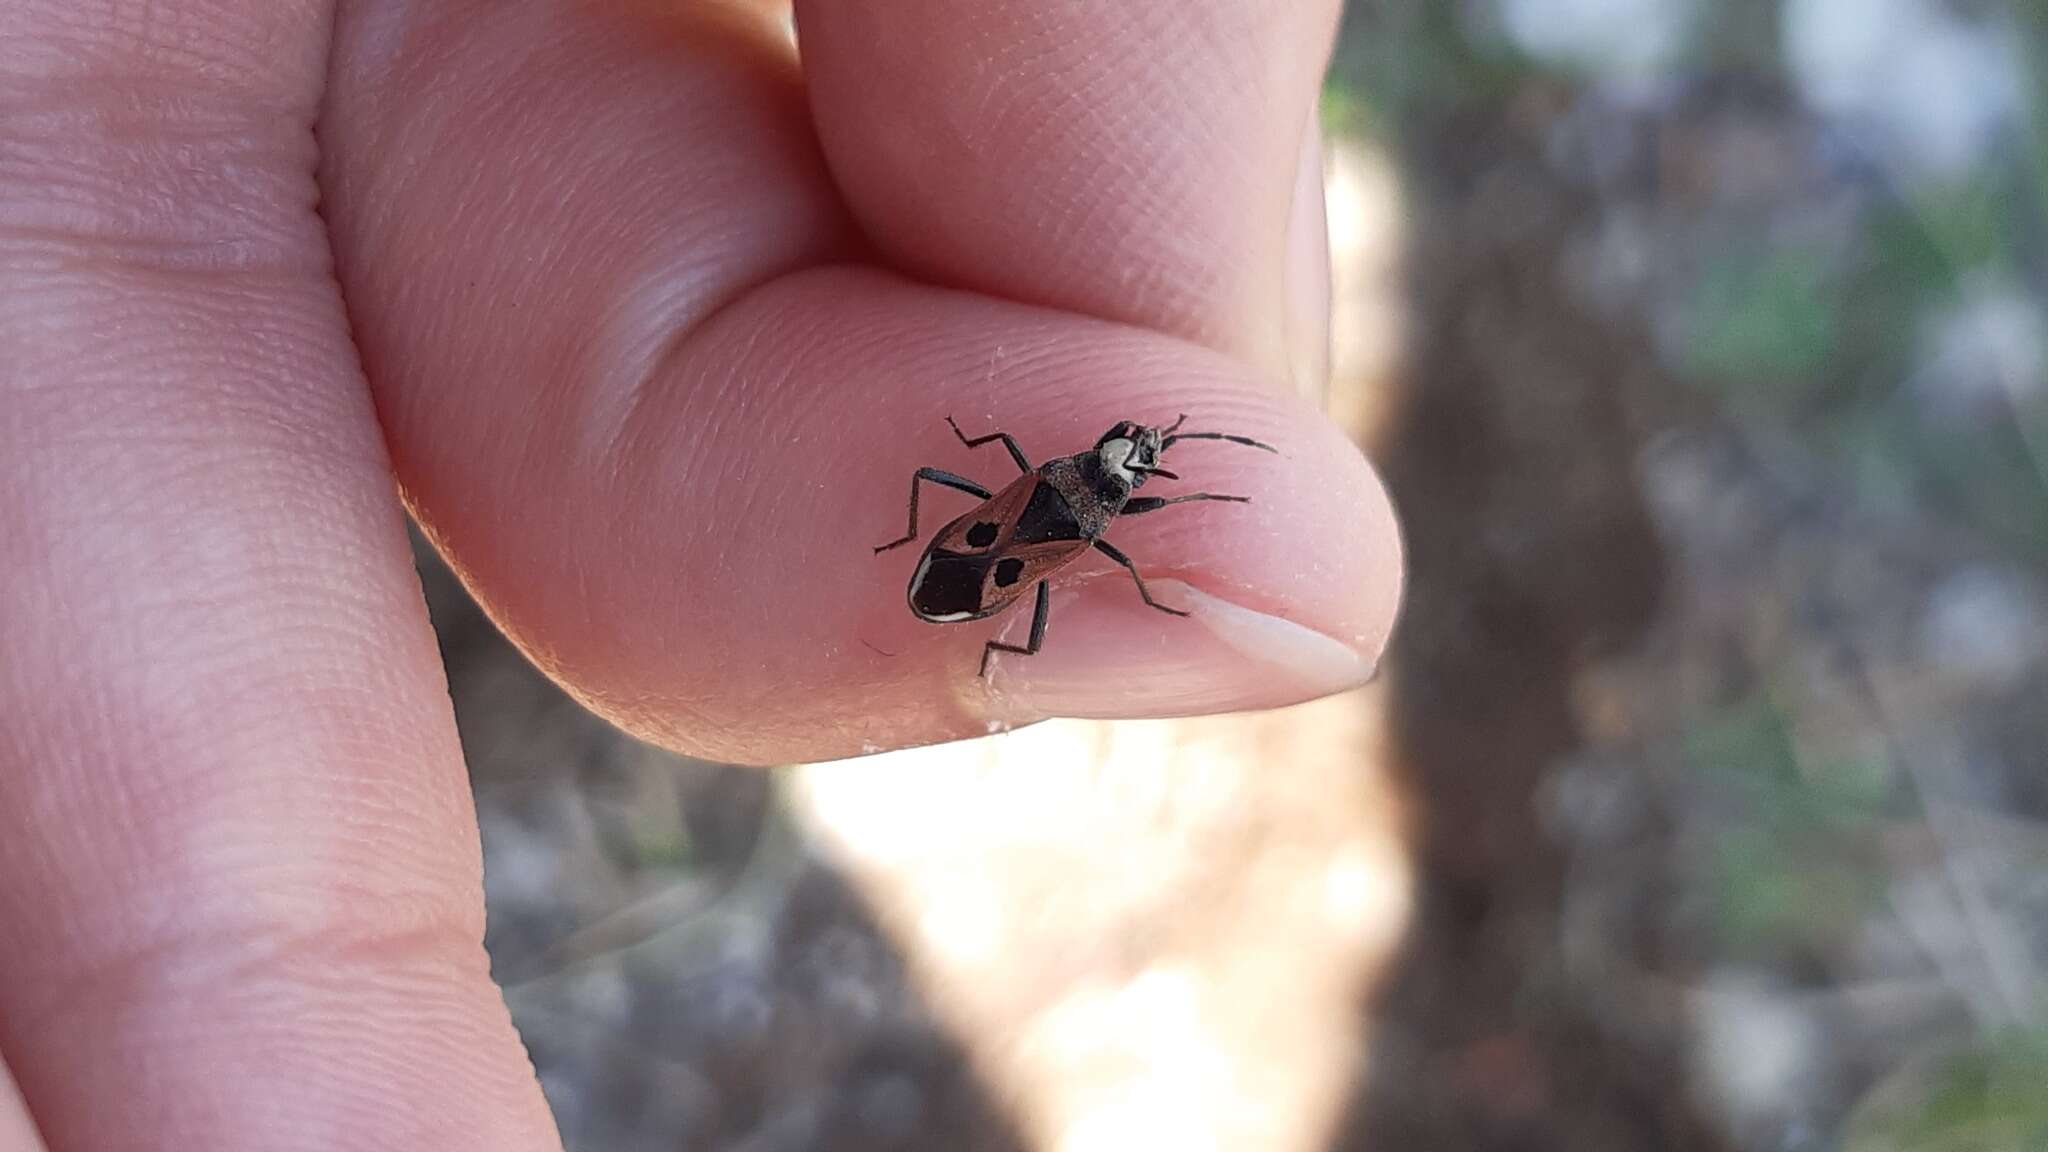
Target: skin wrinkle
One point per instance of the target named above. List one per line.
(149, 419)
(186, 954)
(134, 240)
(194, 151)
(1076, 106)
(227, 939)
(297, 1022)
(176, 706)
(1198, 279)
(1191, 299)
(683, 313)
(194, 462)
(686, 313)
(677, 345)
(93, 39)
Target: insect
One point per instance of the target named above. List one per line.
(984, 561)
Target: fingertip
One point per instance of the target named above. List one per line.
(1283, 589)
(1121, 660)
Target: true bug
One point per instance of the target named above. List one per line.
(982, 562)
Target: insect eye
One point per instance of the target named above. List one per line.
(981, 535)
(1008, 572)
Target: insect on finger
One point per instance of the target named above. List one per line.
(1016, 539)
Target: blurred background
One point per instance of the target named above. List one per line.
(1703, 803)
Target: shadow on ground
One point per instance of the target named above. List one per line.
(1511, 452)
(685, 973)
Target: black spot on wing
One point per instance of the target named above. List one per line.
(1008, 571)
(1047, 517)
(981, 535)
(950, 585)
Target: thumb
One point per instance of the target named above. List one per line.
(658, 414)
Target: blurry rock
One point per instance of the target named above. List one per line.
(1764, 1057)
(1984, 626)
(1938, 87)
(1985, 358)
(1629, 39)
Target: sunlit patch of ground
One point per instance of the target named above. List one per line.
(1149, 934)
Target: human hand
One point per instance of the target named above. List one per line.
(654, 335)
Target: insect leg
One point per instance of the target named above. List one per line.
(935, 476)
(1116, 554)
(1139, 505)
(1038, 615)
(1016, 453)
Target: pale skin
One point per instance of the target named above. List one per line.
(648, 326)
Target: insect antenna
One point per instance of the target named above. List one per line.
(1244, 440)
(1156, 472)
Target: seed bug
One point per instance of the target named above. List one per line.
(984, 561)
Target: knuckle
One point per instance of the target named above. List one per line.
(152, 185)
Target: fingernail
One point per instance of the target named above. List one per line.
(1106, 654)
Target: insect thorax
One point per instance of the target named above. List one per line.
(1094, 494)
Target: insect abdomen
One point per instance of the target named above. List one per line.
(948, 587)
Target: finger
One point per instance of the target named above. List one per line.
(773, 582)
(238, 867)
(1132, 161)
(659, 418)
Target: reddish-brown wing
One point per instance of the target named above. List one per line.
(973, 569)
(1014, 571)
(986, 527)
(948, 587)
